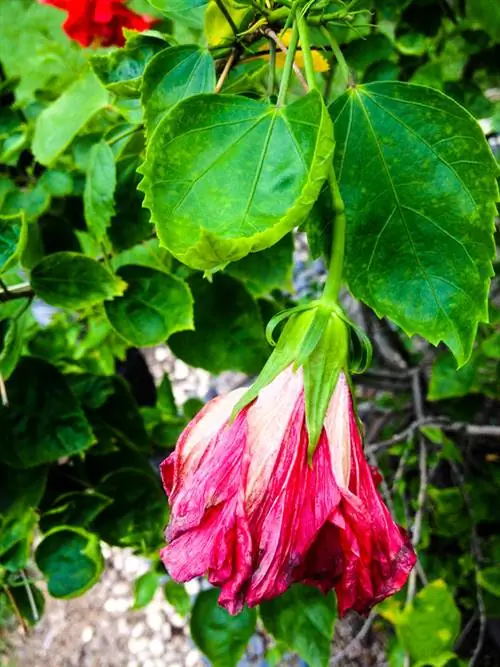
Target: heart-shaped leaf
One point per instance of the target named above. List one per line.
(173, 75)
(71, 280)
(98, 197)
(154, 306)
(226, 175)
(418, 181)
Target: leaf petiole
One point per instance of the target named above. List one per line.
(333, 282)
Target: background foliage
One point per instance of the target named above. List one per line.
(77, 437)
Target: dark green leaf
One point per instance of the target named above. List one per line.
(71, 560)
(59, 123)
(418, 182)
(31, 605)
(150, 253)
(139, 512)
(448, 382)
(76, 508)
(98, 197)
(262, 272)
(11, 342)
(20, 493)
(145, 588)
(225, 175)
(43, 421)
(165, 397)
(429, 626)
(13, 237)
(71, 280)
(177, 596)
(487, 14)
(303, 618)
(228, 335)
(221, 637)
(173, 75)
(154, 306)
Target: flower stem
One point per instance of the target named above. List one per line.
(344, 68)
(287, 71)
(334, 280)
(306, 52)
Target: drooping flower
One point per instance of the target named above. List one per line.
(254, 512)
(99, 22)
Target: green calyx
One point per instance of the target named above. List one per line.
(316, 338)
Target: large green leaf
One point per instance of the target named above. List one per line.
(177, 596)
(155, 305)
(418, 182)
(173, 75)
(71, 560)
(229, 334)
(303, 619)
(429, 626)
(489, 579)
(20, 493)
(98, 197)
(59, 123)
(221, 637)
(71, 280)
(226, 175)
(43, 421)
(13, 238)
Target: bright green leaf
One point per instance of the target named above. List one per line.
(13, 237)
(489, 579)
(150, 253)
(177, 596)
(71, 560)
(145, 588)
(71, 280)
(98, 197)
(173, 75)
(59, 123)
(227, 175)
(429, 626)
(155, 305)
(228, 335)
(418, 181)
(487, 14)
(43, 421)
(303, 618)
(221, 637)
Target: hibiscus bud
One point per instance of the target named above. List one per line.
(252, 511)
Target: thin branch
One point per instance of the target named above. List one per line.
(31, 599)
(270, 33)
(21, 291)
(472, 430)
(226, 70)
(3, 392)
(15, 609)
(336, 659)
(223, 9)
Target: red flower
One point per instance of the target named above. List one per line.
(248, 510)
(99, 21)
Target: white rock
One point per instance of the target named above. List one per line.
(193, 658)
(133, 663)
(166, 630)
(123, 626)
(87, 634)
(137, 645)
(138, 629)
(156, 646)
(121, 588)
(155, 620)
(111, 605)
(177, 620)
(148, 663)
(161, 353)
(192, 587)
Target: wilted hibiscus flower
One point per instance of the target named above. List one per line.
(99, 22)
(256, 508)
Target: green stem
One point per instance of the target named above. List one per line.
(289, 60)
(272, 68)
(334, 280)
(344, 68)
(306, 51)
(223, 9)
(123, 135)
